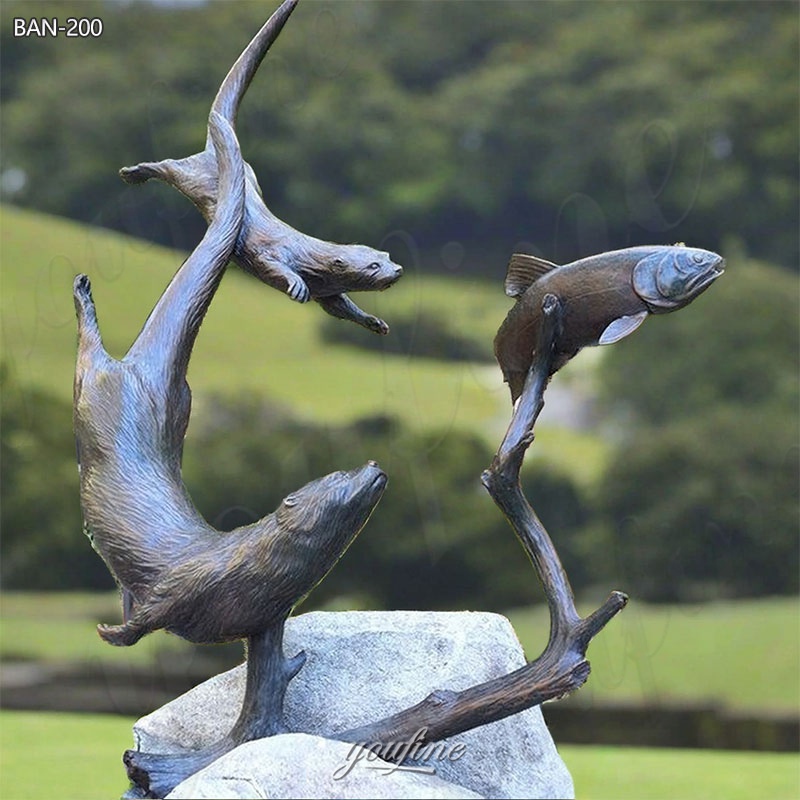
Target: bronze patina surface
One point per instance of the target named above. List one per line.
(131, 416)
(604, 298)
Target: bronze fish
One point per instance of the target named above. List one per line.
(604, 298)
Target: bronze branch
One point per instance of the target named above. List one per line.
(562, 667)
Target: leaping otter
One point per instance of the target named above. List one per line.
(176, 571)
(299, 265)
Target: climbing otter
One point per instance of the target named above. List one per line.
(176, 571)
(292, 262)
(217, 587)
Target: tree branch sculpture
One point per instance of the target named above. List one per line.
(562, 667)
(559, 310)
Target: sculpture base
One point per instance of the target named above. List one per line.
(362, 666)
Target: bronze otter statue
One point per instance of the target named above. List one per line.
(300, 265)
(604, 298)
(130, 416)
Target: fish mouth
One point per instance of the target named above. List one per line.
(705, 280)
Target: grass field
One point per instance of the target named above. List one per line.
(743, 654)
(652, 654)
(60, 627)
(618, 773)
(78, 757)
(69, 756)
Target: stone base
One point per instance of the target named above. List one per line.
(299, 765)
(362, 666)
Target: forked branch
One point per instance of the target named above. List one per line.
(562, 667)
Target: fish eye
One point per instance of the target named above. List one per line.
(698, 258)
(290, 501)
(338, 262)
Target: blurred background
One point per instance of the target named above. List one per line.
(451, 134)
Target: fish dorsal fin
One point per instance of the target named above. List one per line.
(523, 271)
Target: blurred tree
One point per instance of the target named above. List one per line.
(701, 498)
(573, 126)
(425, 335)
(706, 508)
(737, 344)
(42, 544)
(632, 122)
(435, 540)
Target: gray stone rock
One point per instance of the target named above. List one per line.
(301, 766)
(365, 665)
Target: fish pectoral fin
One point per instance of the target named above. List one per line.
(622, 327)
(523, 271)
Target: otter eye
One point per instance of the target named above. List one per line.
(374, 266)
(337, 262)
(290, 501)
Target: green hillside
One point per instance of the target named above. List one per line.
(256, 340)
(658, 655)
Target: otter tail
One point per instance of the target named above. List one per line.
(166, 340)
(230, 93)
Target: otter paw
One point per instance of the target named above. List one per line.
(120, 635)
(376, 325)
(137, 174)
(298, 290)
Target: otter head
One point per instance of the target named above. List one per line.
(337, 268)
(321, 519)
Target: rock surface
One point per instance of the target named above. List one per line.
(300, 765)
(365, 665)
